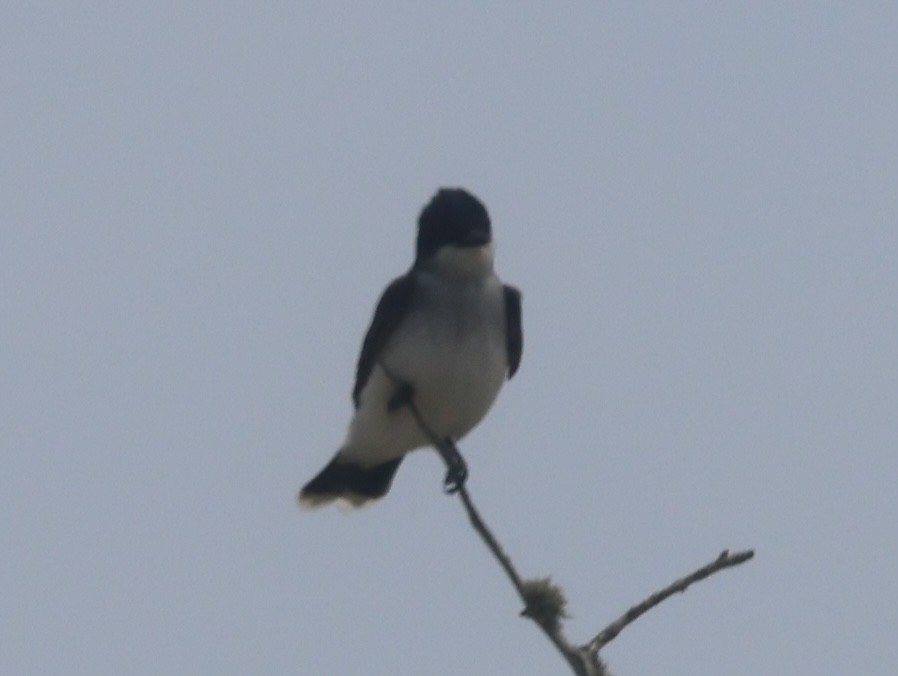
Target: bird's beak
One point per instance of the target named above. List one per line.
(476, 237)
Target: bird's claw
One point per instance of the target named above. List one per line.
(457, 472)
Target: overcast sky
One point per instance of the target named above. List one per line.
(199, 206)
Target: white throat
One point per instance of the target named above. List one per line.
(465, 261)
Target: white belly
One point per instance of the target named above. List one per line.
(455, 359)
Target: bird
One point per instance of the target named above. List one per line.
(444, 338)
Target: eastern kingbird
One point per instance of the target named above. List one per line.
(445, 336)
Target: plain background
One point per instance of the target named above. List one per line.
(200, 205)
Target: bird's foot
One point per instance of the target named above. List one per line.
(402, 396)
(457, 468)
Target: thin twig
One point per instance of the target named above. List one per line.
(608, 634)
(446, 448)
(584, 660)
(443, 445)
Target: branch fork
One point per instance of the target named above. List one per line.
(544, 601)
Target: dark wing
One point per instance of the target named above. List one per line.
(391, 309)
(514, 334)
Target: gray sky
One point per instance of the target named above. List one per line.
(200, 205)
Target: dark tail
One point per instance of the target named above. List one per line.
(348, 481)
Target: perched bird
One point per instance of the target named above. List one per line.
(445, 336)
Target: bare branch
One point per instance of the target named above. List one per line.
(576, 658)
(609, 633)
(544, 602)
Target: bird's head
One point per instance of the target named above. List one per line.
(454, 233)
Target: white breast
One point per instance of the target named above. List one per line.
(452, 351)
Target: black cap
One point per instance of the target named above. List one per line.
(453, 217)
